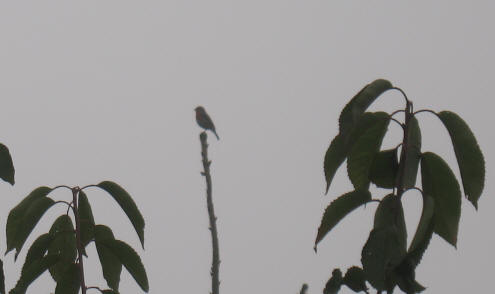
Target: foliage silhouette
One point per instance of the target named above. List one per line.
(386, 260)
(61, 251)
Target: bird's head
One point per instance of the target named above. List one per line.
(200, 109)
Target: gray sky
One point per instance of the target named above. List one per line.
(105, 90)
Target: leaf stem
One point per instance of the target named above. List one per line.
(75, 193)
(215, 263)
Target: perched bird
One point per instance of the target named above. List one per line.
(204, 120)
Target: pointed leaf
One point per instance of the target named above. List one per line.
(33, 214)
(16, 215)
(390, 213)
(413, 154)
(424, 231)
(63, 245)
(70, 282)
(364, 150)
(381, 254)
(440, 183)
(128, 205)
(354, 279)
(342, 144)
(110, 263)
(31, 273)
(37, 250)
(351, 113)
(6, 165)
(334, 283)
(130, 259)
(334, 157)
(86, 219)
(405, 276)
(339, 208)
(468, 154)
(383, 171)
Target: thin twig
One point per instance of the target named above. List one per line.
(215, 263)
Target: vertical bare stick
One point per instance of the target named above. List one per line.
(75, 194)
(215, 263)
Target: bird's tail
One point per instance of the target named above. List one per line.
(215, 132)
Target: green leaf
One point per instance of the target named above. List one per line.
(16, 216)
(30, 219)
(383, 171)
(354, 279)
(424, 231)
(63, 245)
(334, 283)
(339, 208)
(131, 260)
(70, 282)
(334, 157)
(2, 278)
(364, 150)
(440, 183)
(343, 143)
(37, 250)
(127, 204)
(110, 263)
(32, 272)
(352, 112)
(86, 219)
(405, 276)
(381, 254)
(6, 165)
(413, 154)
(468, 154)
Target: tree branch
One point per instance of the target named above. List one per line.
(215, 263)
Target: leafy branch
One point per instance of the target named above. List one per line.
(387, 261)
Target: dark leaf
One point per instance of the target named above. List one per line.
(339, 208)
(424, 231)
(334, 157)
(6, 165)
(342, 144)
(108, 291)
(381, 254)
(364, 150)
(17, 214)
(405, 276)
(30, 220)
(354, 279)
(37, 250)
(63, 245)
(32, 272)
(87, 222)
(352, 112)
(110, 263)
(334, 283)
(128, 205)
(391, 214)
(383, 171)
(440, 183)
(70, 282)
(130, 259)
(413, 154)
(468, 154)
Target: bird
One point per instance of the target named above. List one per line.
(204, 120)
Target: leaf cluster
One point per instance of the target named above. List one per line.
(387, 260)
(61, 250)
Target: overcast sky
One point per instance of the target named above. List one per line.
(105, 90)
